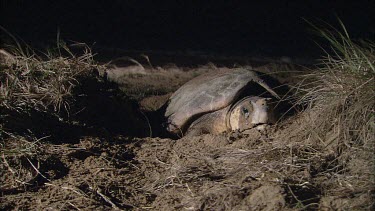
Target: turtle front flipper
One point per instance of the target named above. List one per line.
(210, 123)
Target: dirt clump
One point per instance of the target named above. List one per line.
(266, 197)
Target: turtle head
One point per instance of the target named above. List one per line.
(250, 112)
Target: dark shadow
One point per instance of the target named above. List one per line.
(158, 123)
(102, 105)
(297, 195)
(98, 108)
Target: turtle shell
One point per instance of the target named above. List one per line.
(207, 93)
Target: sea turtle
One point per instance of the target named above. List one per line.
(210, 103)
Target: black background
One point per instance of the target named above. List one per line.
(268, 28)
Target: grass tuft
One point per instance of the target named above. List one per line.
(41, 82)
(342, 89)
(340, 98)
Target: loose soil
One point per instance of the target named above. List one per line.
(117, 156)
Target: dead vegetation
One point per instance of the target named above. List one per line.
(40, 85)
(341, 106)
(322, 158)
(42, 82)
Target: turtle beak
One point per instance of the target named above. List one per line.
(261, 127)
(260, 113)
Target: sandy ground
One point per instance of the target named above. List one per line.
(107, 167)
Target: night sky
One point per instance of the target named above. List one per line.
(267, 28)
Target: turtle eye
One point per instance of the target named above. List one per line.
(245, 112)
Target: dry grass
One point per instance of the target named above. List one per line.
(342, 92)
(340, 98)
(42, 82)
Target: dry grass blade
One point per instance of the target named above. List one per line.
(30, 81)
